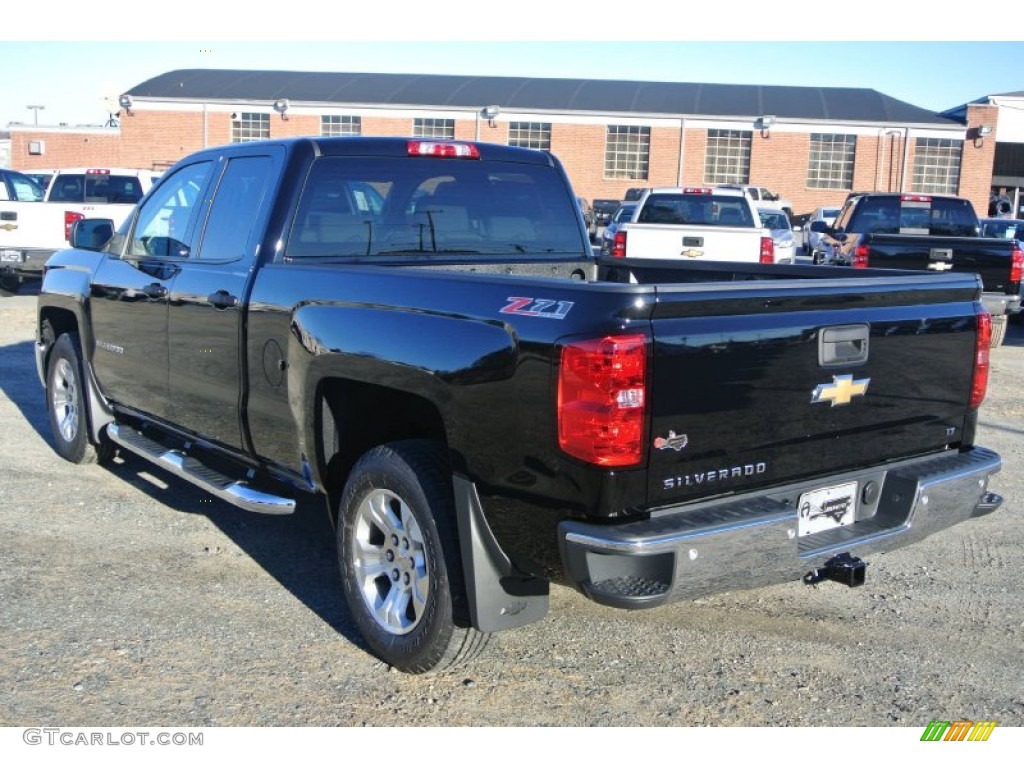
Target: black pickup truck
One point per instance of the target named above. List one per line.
(416, 331)
(937, 233)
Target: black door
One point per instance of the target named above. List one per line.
(129, 295)
(206, 307)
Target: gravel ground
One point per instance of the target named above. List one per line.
(128, 597)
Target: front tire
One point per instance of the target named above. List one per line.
(398, 552)
(66, 405)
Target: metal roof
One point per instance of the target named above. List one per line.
(541, 94)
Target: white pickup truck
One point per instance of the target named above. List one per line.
(698, 223)
(36, 218)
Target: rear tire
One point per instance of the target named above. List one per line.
(9, 284)
(66, 405)
(401, 567)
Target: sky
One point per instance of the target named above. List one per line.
(77, 74)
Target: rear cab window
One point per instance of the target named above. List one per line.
(708, 210)
(914, 215)
(377, 208)
(96, 187)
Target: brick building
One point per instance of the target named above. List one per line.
(810, 145)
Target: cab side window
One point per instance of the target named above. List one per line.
(165, 223)
(235, 207)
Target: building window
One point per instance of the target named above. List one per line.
(250, 126)
(627, 152)
(830, 165)
(340, 125)
(433, 128)
(727, 160)
(530, 135)
(937, 166)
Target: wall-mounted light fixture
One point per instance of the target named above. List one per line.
(980, 133)
(281, 106)
(764, 123)
(125, 102)
(490, 112)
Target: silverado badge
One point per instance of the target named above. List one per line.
(673, 441)
(841, 391)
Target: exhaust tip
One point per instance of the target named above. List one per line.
(843, 568)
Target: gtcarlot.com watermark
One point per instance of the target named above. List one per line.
(71, 737)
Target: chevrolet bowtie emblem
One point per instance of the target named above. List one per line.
(841, 391)
(940, 266)
(9, 227)
(692, 253)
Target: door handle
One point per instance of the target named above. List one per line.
(222, 299)
(155, 291)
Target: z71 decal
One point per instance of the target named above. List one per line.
(549, 308)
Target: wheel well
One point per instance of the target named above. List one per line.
(354, 417)
(59, 321)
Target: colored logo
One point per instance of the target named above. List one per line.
(841, 391)
(958, 730)
(673, 441)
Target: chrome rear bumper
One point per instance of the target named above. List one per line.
(752, 540)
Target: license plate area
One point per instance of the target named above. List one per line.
(10, 255)
(826, 508)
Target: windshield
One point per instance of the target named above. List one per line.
(427, 206)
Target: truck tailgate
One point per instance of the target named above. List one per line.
(988, 257)
(670, 241)
(765, 382)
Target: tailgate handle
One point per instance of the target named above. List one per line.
(9, 216)
(693, 242)
(843, 345)
(941, 254)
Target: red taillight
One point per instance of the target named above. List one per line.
(697, 190)
(70, 217)
(602, 397)
(860, 257)
(915, 198)
(619, 245)
(443, 149)
(97, 172)
(981, 352)
(767, 250)
(1017, 264)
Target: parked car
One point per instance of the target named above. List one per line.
(94, 185)
(698, 223)
(634, 193)
(1007, 229)
(479, 413)
(588, 217)
(776, 220)
(812, 240)
(604, 209)
(763, 196)
(35, 232)
(623, 213)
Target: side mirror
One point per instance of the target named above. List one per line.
(91, 234)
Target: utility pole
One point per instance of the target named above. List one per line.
(35, 108)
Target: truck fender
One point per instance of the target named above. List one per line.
(64, 298)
